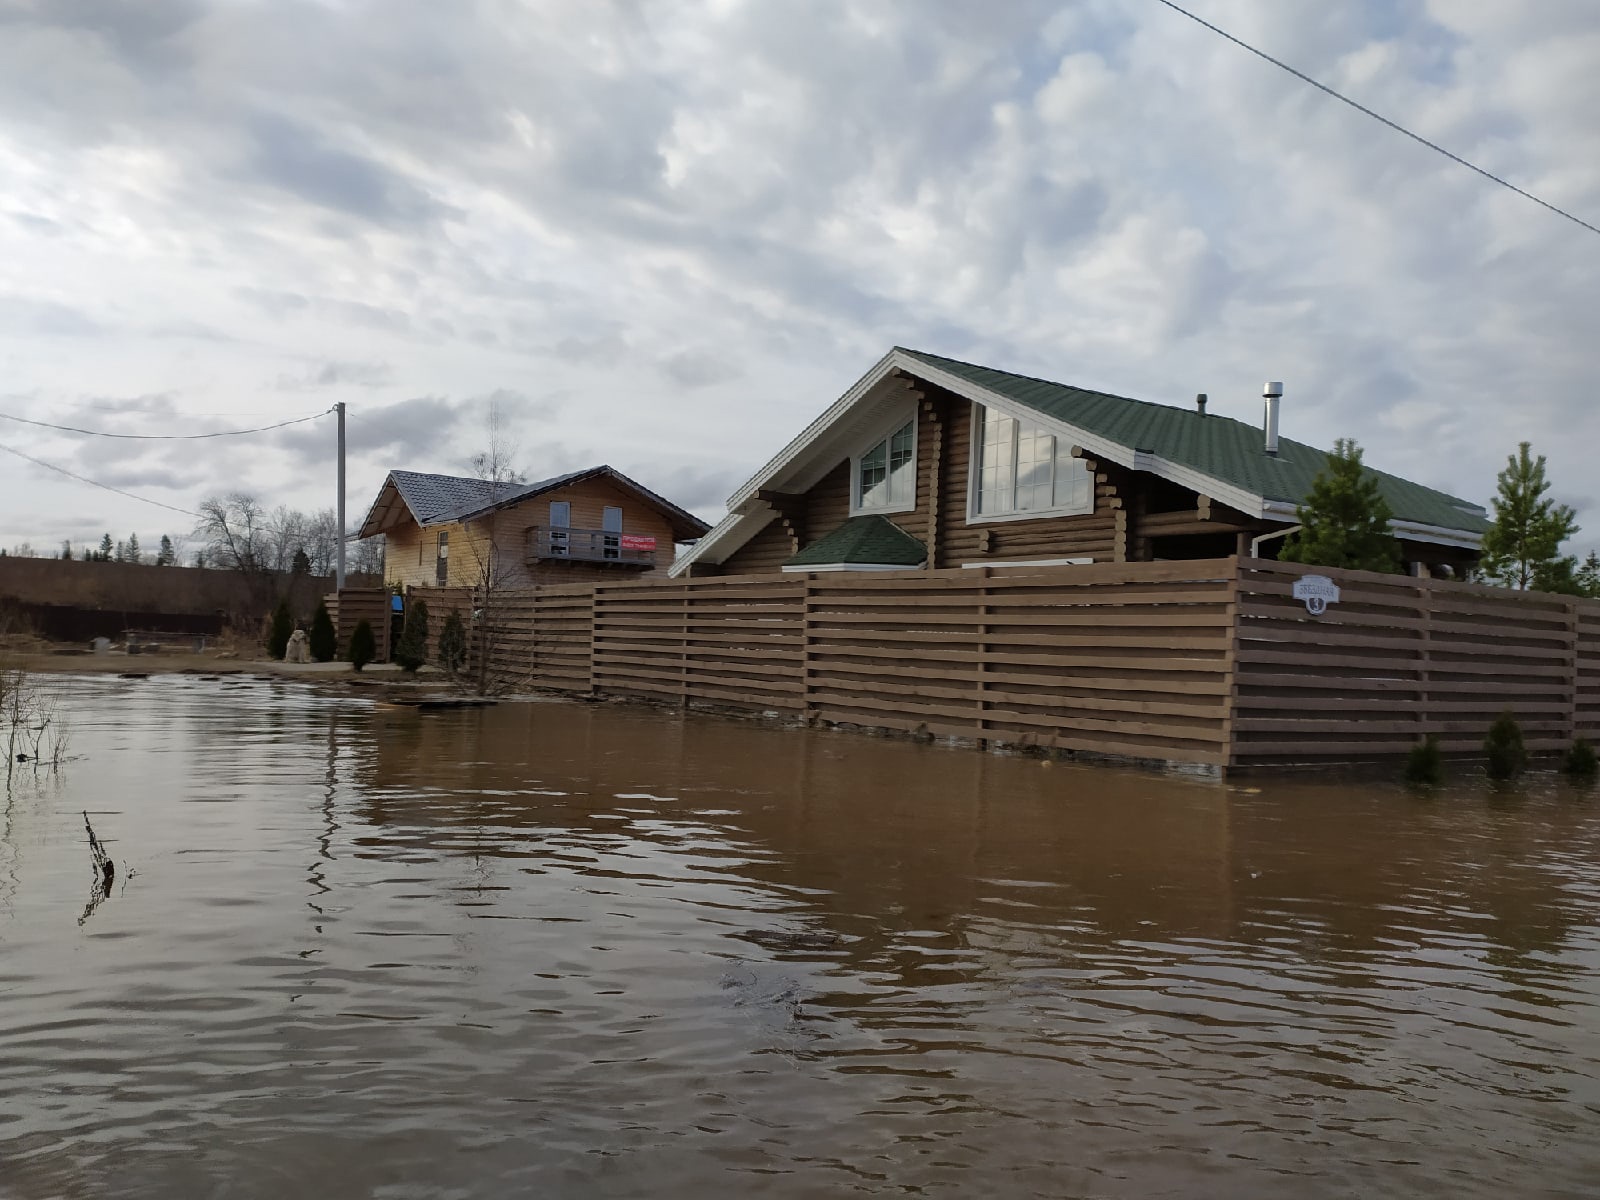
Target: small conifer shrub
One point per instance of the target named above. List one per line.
(1503, 748)
(363, 647)
(324, 640)
(412, 650)
(1581, 763)
(280, 631)
(452, 650)
(1425, 767)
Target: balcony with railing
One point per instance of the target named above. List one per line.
(546, 544)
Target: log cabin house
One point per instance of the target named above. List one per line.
(929, 462)
(595, 524)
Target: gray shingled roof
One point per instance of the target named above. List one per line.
(1221, 447)
(444, 499)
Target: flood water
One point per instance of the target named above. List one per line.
(564, 950)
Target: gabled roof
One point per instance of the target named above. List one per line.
(446, 499)
(1213, 455)
(1217, 446)
(870, 540)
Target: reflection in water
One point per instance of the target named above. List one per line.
(592, 950)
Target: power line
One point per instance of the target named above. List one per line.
(39, 462)
(1398, 128)
(165, 437)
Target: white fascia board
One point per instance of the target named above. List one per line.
(849, 567)
(719, 531)
(1412, 531)
(1415, 531)
(812, 432)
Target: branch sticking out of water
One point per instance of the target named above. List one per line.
(105, 873)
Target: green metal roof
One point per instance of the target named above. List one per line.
(875, 540)
(1221, 447)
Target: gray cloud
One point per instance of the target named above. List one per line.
(623, 207)
(337, 374)
(701, 368)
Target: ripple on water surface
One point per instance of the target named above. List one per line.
(586, 951)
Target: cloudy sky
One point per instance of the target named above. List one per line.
(664, 236)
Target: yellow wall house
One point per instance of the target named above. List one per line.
(450, 531)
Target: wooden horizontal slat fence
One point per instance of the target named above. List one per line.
(350, 607)
(1210, 662)
(1397, 658)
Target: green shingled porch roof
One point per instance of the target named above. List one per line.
(869, 540)
(1217, 446)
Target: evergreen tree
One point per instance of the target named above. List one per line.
(363, 646)
(1504, 749)
(1523, 546)
(105, 549)
(1588, 577)
(412, 651)
(121, 552)
(324, 639)
(134, 553)
(66, 552)
(452, 648)
(282, 627)
(1344, 520)
(166, 556)
(301, 563)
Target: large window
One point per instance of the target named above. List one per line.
(885, 474)
(1022, 470)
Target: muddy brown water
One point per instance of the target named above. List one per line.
(566, 950)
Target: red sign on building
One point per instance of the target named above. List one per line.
(632, 541)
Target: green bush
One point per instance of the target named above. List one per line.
(363, 647)
(1426, 764)
(281, 629)
(1507, 756)
(452, 648)
(412, 651)
(324, 640)
(1581, 763)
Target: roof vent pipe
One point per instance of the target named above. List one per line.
(1272, 393)
(1200, 403)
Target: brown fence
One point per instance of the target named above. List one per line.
(1399, 658)
(354, 605)
(1212, 662)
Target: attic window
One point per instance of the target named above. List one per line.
(1021, 470)
(883, 476)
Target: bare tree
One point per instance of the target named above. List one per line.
(493, 465)
(321, 540)
(366, 556)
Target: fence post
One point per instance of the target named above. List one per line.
(1230, 658)
(1425, 666)
(982, 642)
(1572, 668)
(594, 639)
(683, 644)
(808, 709)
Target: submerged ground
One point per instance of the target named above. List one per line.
(573, 950)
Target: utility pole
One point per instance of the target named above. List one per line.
(338, 577)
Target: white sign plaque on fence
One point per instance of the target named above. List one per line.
(1318, 591)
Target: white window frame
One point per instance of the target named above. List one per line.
(884, 434)
(975, 476)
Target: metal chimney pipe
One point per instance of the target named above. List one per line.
(1200, 403)
(1272, 393)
